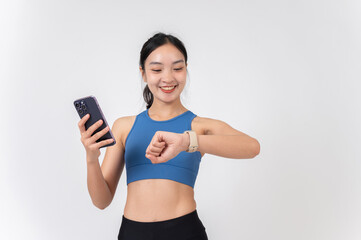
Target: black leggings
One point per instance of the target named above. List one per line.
(186, 227)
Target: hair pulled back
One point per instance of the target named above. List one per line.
(149, 46)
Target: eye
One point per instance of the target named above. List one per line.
(157, 70)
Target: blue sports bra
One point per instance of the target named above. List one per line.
(183, 168)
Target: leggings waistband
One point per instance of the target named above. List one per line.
(186, 217)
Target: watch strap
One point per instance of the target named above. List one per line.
(193, 142)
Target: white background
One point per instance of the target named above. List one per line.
(284, 72)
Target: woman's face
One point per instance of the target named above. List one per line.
(165, 66)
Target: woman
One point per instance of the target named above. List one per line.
(161, 148)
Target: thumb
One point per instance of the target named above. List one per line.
(160, 137)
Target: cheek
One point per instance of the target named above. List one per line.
(153, 79)
(181, 76)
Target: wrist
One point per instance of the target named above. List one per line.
(91, 159)
(186, 141)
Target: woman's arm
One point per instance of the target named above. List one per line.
(229, 146)
(224, 141)
(102, 180)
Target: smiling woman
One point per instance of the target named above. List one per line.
(164, 66)
(161, 148)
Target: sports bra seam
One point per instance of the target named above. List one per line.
(179, 167)
(164, 164)
(137, 165)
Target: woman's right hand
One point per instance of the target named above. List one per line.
(91, 146)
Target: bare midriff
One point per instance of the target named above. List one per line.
(151, 200)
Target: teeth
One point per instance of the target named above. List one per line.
(168, 88)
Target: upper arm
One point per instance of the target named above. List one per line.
(218, 127)
(113, 163)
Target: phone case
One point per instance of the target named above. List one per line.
(90, 105)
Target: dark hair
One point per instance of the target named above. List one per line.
(149, 46)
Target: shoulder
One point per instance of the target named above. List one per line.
(122, 126)
(213, 126)
(205, 123)
(124, 120)
(122, 123)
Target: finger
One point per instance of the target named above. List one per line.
(154, 140)
(104, 142)
(81, 123)
(156, 154)
(154, 159)
(160, 136)
(154, 144)
(157, 138)
(151, 150)
(154, 149)
(158, 144)
(99, 134)
(93, 127)
(149, 156)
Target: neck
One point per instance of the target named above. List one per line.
(164, 110)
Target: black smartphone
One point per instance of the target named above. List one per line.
(90, 105)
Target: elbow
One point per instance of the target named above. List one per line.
(101, 206)
(256, 148)
(103, 203)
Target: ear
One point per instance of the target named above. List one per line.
(142, 72)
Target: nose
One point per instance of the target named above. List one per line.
(168, 77)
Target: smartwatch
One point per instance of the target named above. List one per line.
(193, 142)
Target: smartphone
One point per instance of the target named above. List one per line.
(90, 105)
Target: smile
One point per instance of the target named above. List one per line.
(168, 89)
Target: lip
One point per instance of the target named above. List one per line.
(169, 91)
(168, 86)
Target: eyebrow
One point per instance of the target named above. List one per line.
(178, 61)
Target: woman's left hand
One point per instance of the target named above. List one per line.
(166, 145)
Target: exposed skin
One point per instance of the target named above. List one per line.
(150, 200)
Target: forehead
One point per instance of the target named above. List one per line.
(166, 54)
